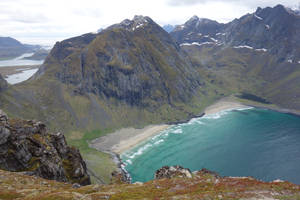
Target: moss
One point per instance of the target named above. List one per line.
(9, 195)
(34, 163)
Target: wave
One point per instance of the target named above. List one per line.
(175, 129)
(224, 112)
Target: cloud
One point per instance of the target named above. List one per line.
(250, 4)
(35, 21)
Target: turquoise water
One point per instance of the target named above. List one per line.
(248, 142)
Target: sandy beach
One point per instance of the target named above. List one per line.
(125, 138)
(223, 104)
(10, 70)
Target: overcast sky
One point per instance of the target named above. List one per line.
(47, 21)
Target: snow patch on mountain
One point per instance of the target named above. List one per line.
(257, 17)
(196, 43)
(263, 49)
(213, 39)
(220, 34)
(267, 26)
(242, 46)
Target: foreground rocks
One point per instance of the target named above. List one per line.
(171, 172)
(26, 146)
(202, 185)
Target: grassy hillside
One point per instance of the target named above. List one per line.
(201, 186)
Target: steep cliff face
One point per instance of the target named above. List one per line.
(135, 62)
(26, 146)
(260, 29)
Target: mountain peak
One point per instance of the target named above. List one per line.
(279, 7)
(137, 22)
(195, 17)
(141, 19)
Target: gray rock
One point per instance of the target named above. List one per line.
(171, 172)
(26, 146)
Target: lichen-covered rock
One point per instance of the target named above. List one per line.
(171, 172)
(26, 146)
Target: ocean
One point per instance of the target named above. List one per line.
(261, 143)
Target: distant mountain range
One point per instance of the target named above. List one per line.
(261, 49)
(135, 73)
(169, 28)
(258, 30)
(11, 48)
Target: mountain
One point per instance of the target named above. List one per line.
(126, 62)
(11, 48)
(258, 30)
(243, 57)
(39, 54)
(168, 28)
(197, 30)
(134, 65)
(26, 146)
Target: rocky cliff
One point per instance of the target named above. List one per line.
(241, 56)
(27, 146)
(135, 62)
(199, 185)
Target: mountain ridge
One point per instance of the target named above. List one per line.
(11, 48)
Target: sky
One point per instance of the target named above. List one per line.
(47, 21)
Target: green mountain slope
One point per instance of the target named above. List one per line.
(130, 74)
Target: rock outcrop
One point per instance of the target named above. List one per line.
(26, 146)
(171, 172)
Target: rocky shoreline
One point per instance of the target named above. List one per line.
(125, 176)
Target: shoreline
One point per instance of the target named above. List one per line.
(224, 104)
(11, 70)
(125, 139)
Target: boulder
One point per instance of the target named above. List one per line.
(27, 146)
(171, 172)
